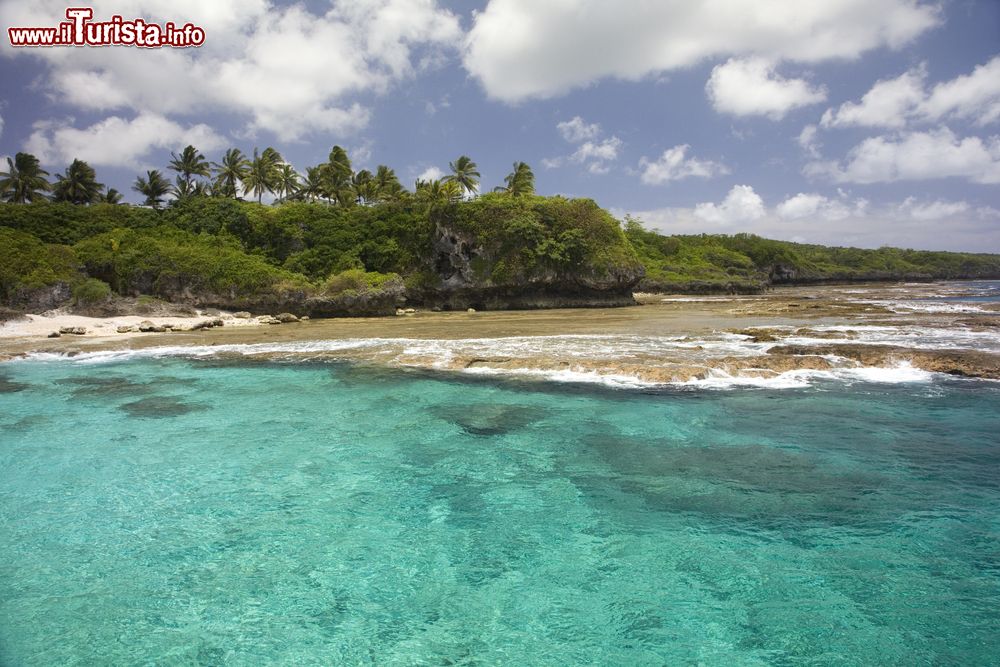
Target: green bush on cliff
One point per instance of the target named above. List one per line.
(91, 291)
(65, 223)
(174, 264)
(359, 281)
(523, 237)
(28, 263)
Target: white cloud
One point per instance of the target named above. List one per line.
(887, 104)
(751, 87)
(916, 156)
(894, 103)
(1, 126)
(808, 142)
(741, 205)
(285, 69)
(601, 150)
(975, 96)
(592, 151)
(812, 205)
(520, 49)
(577, 130)
(115, 141)
(596, 155)
(430, 174)
(935, 210)
(674, 166)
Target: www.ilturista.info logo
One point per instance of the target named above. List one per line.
(79, 30)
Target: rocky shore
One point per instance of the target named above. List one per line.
(670, 339)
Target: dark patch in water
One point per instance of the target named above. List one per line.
(767, 485)
(487, 420)
(159, 407)
(8, 386)
(114, 386)
(109, 386)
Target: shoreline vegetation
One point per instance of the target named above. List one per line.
(340, 242)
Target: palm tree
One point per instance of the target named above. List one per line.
(154, 186)
(189, 163)
(112, 196)
(262, 176)
(387, 184)
(437, 192)
(229, 174)
(287, 181)
(521, 181)
(24, 180)
(185, 189)
(337, 175)
(312, 185)
(365, 187)
(78, 185)
(464, 172)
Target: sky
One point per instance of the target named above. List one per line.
(844, 122)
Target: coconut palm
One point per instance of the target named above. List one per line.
(262, 176)
(112, 196)
(185, 189)
(521, 181)
(337, 175)
(78, 185)
(287, 182)
(437, 192)
(464, 172)
(387, 184)
(24, 181)
(365, 187)
(190, 163)
(229, 173)
(155, 187)
(311, 188)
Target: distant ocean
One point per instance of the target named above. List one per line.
(191, 508)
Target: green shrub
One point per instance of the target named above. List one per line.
(27, 262)
(91, 292)
(359, 281)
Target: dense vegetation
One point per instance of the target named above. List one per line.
(353, 238)
(748, 263)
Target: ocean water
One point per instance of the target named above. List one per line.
(205, 511)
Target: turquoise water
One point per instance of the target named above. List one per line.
(172, 511)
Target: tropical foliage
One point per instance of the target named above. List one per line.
(154, 187)
(24, 181)
(78, 185)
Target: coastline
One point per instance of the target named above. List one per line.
(782, 338)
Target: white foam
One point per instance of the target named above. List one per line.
(614, 380)
(439, 353)
(717, 379)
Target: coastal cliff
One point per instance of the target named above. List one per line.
(494, 252)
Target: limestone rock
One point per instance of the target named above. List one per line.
(286, 318)
(148, 327)
(242, 315)
(76, 331)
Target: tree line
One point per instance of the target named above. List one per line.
(237, 175)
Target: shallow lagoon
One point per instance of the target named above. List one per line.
(203, 511)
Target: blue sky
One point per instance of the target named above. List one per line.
(848, 122)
